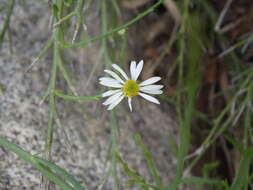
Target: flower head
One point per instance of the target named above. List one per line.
(123, 86)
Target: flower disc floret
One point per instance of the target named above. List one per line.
(130, 88)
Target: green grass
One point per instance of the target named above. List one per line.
(53, 172)
(6, 26)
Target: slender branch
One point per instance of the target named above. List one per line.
(42, 53)
(69, 97)
(140, 16)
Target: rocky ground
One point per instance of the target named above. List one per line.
(82, 137)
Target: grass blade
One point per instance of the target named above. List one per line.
(243, 172)
(60, 171)
(149, 159)
(42, 165)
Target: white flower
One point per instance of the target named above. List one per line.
(129, 87)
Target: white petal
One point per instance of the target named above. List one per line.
(152, 91)
(132, 69)
(121, 71)
(114, 75)
(115, 103)
(138, 70)
(149, 98)
(108, 79)
(130, 104)
(112, 98)
(111, 84)
(151, 87)
(110, 92)
(150, 81)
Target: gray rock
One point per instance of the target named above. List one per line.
(82, 135)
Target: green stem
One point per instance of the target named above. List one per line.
(51, 89)
(7, 21)
(114, 148)
(48, 45)
(52, 83)
(65, 18)
(76, 98)
(140, 16)
(187, 78)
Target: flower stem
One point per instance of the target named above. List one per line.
(125, 26)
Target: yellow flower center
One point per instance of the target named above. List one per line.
(130, 88)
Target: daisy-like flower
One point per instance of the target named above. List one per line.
(129, 87)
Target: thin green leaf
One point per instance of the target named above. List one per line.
(201, 180)
(35, 163)
(149, 159)
(69, 97)
(7, 21)
(242, 175)
(61, 172)
(130, 172)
